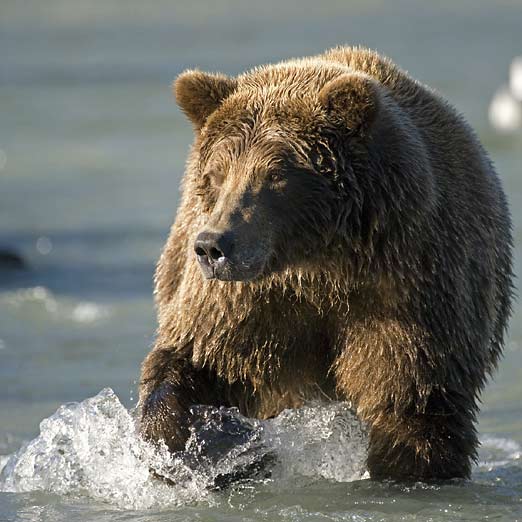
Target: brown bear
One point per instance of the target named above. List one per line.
(342, 234)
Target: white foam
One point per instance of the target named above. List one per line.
(496, 452)
(508, 446)
(44, 301)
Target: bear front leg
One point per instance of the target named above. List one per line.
(421, 424)
(421, 446)
(170, 385)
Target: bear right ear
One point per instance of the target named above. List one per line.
(199, 94)
(352, 100)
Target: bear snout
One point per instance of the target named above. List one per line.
(223, 256)
(213, 250)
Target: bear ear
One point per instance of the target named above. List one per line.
(352, 100)
(199, 94)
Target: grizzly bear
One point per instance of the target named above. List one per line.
(342, 234)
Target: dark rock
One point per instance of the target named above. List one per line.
(11, 260)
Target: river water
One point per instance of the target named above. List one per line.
(92, 149)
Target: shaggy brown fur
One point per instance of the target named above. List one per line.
(371, 260)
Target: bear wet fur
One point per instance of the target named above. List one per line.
(367, 259)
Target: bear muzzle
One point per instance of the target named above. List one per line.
(220, 258)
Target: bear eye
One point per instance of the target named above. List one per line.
(276, 176)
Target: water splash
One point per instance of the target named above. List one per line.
(320, 440)
(92, 448)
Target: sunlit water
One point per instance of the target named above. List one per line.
(91, 153)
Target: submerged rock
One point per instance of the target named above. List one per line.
(11, 260)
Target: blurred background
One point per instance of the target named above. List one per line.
(92, 149)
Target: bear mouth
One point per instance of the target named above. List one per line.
(225, 269)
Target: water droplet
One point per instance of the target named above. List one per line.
(44, 245)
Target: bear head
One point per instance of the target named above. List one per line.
(284, 164)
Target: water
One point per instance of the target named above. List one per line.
(90, 450)
(92, 148)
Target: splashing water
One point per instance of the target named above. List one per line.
(325, 441)
(92, 448)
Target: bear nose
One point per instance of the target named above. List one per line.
(213, 247)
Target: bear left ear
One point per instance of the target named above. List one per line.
(199, 94)
(352, 100)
